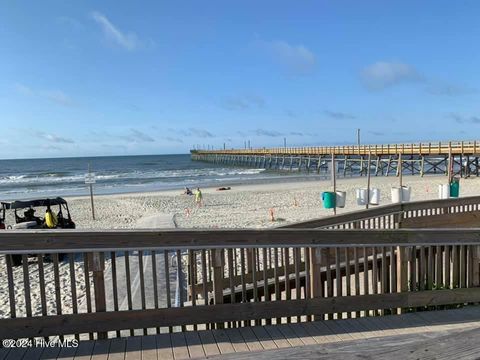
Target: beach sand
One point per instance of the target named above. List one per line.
(247, 206)
(244, 206)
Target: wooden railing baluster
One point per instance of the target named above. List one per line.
(276, 276)
(265, 281)
(26, 286)
(230, 276)
(168, 293)
(73, 284)
(142, 284)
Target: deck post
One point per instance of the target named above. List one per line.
(218, 263)
(317, 257)
(476, 266)
(98, 268)
(402, 271)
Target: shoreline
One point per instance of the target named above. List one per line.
(263, 184)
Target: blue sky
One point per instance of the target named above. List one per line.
(81, 78)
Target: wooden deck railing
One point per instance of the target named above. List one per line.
(431, 148)
(426, 214)
(117, 283)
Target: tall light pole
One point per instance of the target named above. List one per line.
(285, 142)
(358, 137)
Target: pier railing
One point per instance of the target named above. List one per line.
(120, 283)
(431, 148)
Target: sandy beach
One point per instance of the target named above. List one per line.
(247, 206)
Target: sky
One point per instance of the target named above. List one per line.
(93, 78)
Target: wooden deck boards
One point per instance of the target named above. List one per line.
(415, 332)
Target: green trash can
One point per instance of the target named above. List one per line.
(455, 188)
(329, 198)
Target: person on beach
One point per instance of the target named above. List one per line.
(187, 191)
(198, 197)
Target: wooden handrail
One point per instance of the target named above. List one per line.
(456, 147)
(52, 241)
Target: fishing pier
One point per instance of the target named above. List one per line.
(454, 158)
(404, 276)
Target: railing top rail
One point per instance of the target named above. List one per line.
(348, 217)
(431, 147)
(54, 241)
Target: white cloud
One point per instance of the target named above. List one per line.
(270, 133)
(244, 102)
(54, 138)
(193, 132)
(447, 89)
(136, 136)
(338, 115)
(461, 119)
(128, 41)
(23, 89)
(384, 74)
(298, 59)
(48, 147)
(173, 139)
(56, 96)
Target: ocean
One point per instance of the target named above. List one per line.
(31, 178)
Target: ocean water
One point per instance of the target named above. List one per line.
(30, 178)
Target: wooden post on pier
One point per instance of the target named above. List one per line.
(450, 164)
(368, 179)
(334, 183)
(400, 169)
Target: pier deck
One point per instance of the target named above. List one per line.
(432, 333)
(449, 158)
